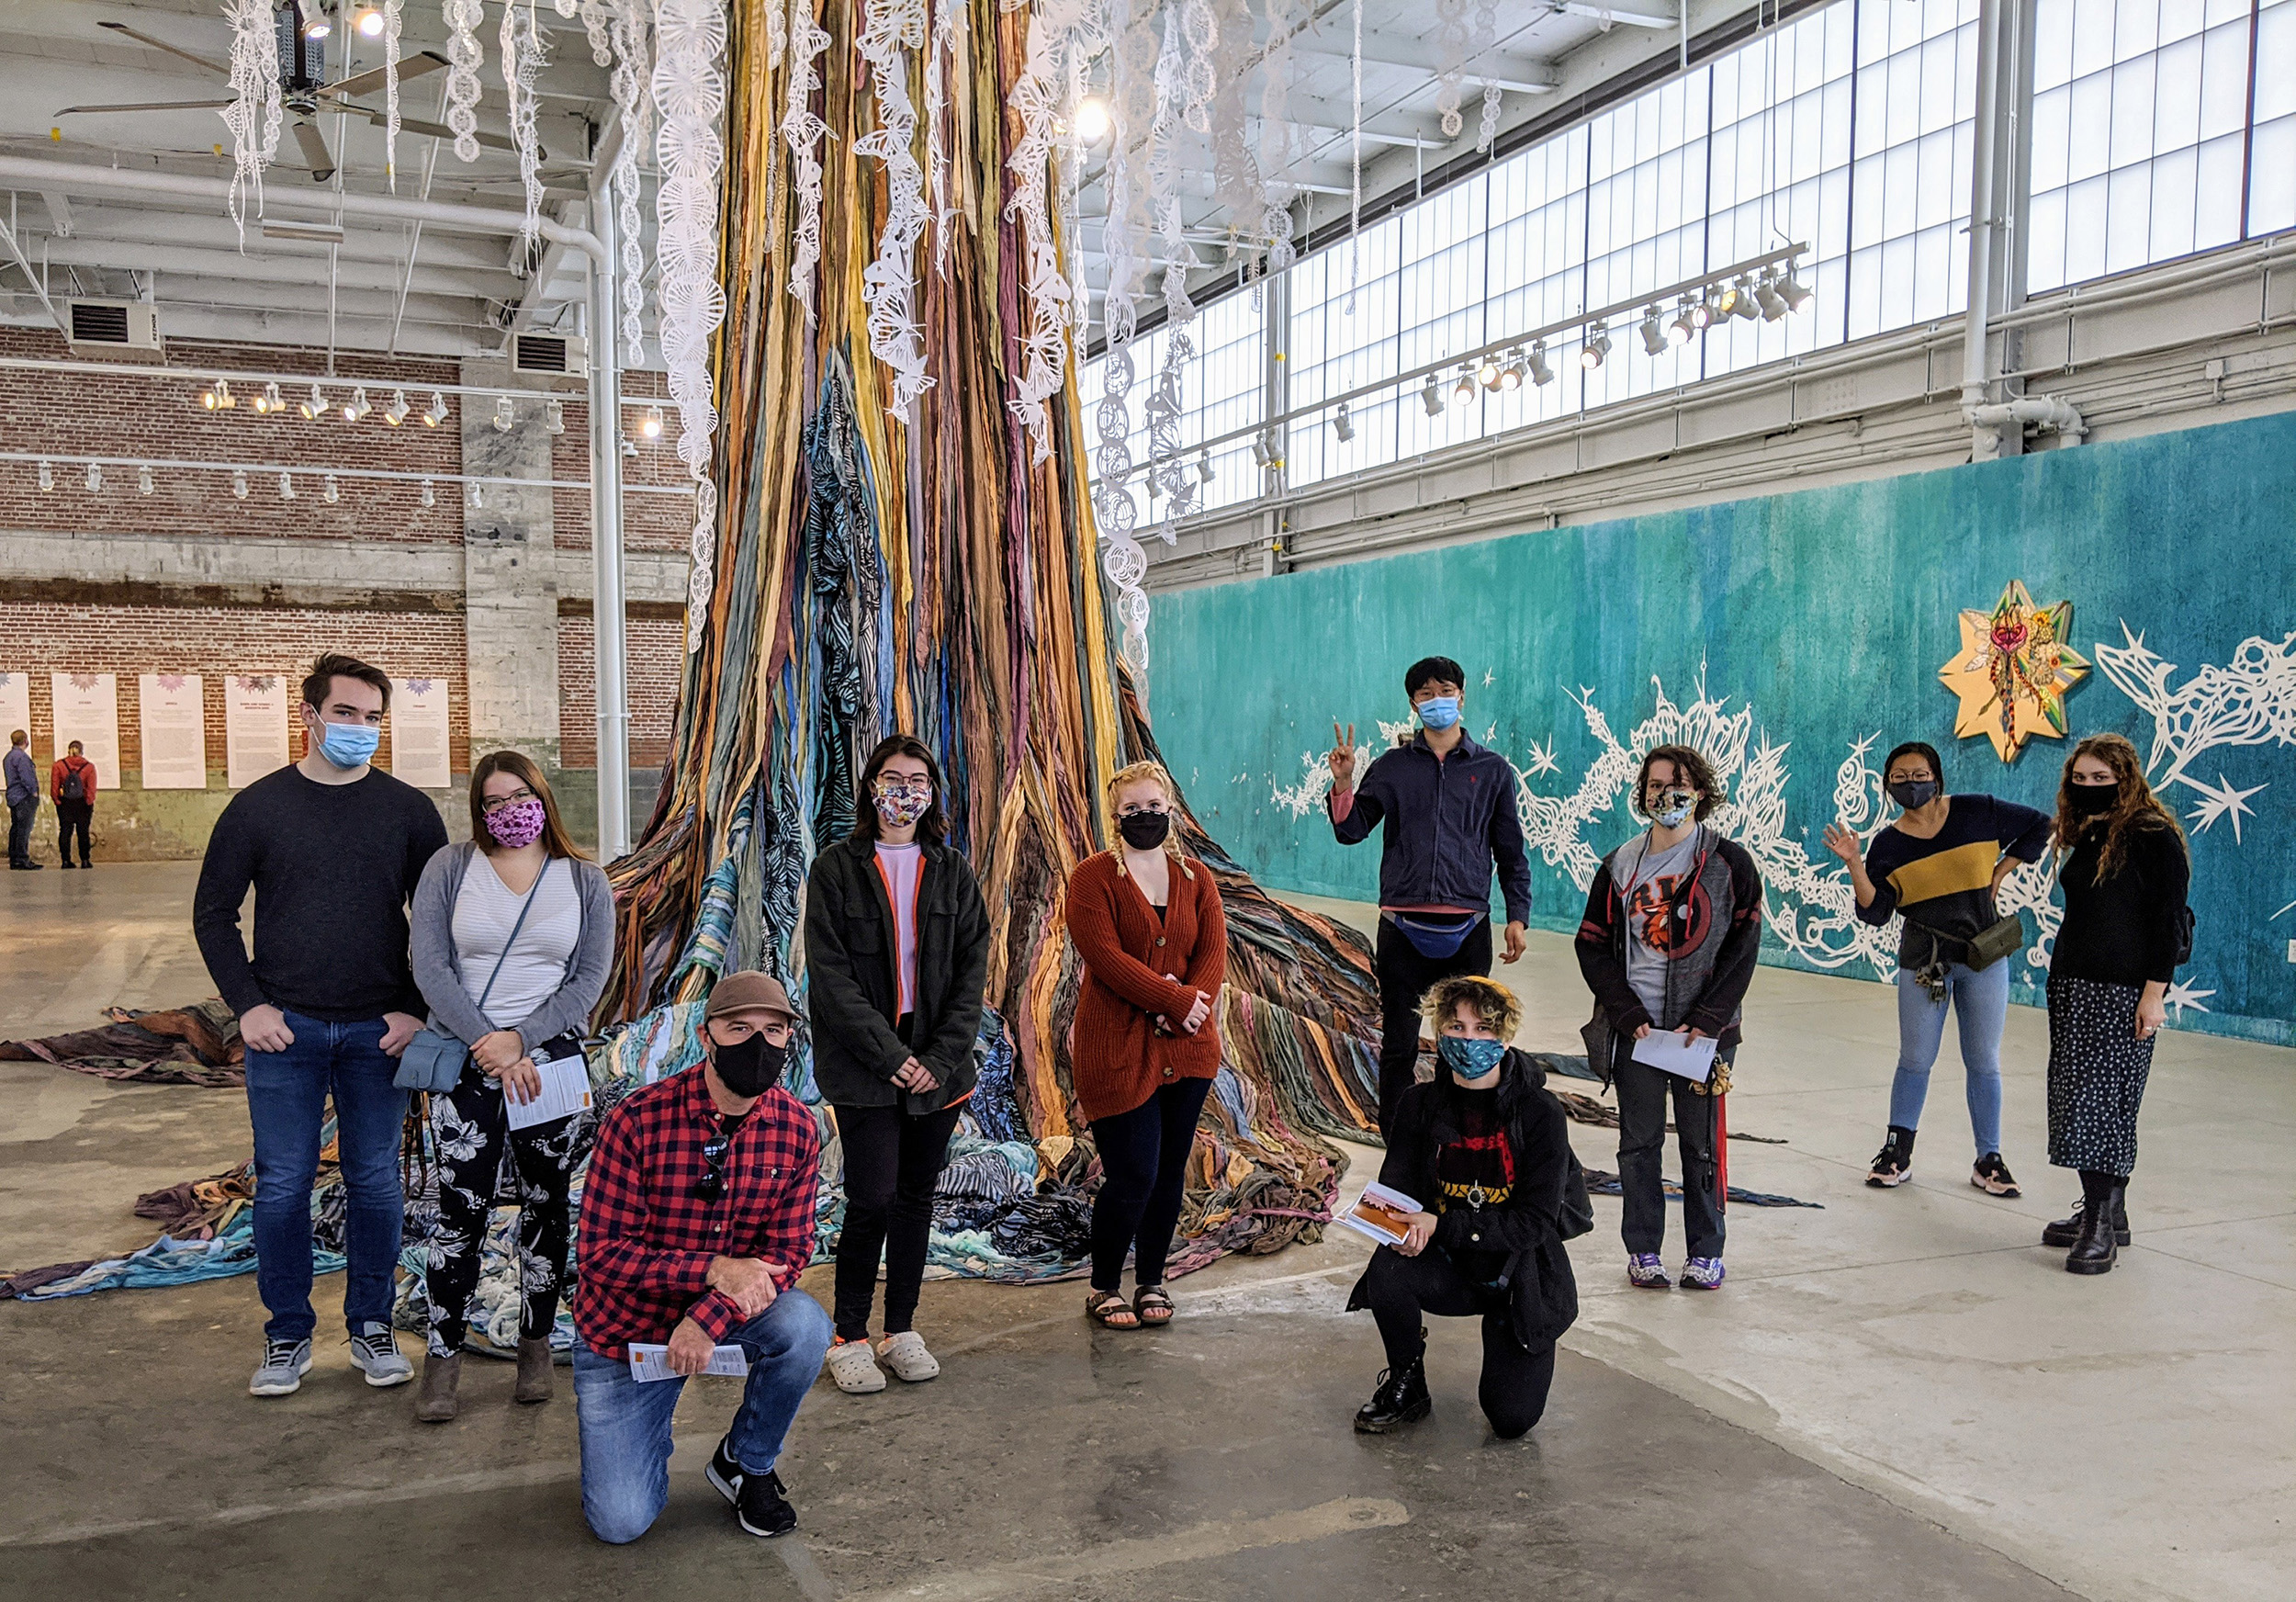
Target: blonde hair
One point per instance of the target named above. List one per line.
(1145, 772)
(1491, 1002)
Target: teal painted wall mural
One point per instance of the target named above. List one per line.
(1795, 638)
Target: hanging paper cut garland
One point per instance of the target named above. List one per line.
(254, 110)
(2013, 670)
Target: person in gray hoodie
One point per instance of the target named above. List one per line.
(512, 936)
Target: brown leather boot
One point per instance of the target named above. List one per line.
(534, 1381)
(437, 1401)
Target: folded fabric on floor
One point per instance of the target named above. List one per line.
(198, 1044)
(1602, 1183)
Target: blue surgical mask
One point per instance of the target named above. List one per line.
(1440, 712)
(348, 744)
(1471, 1059)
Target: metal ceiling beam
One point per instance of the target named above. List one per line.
(15, 249)
(1512, 75)
(1640, 13)
(177, 260)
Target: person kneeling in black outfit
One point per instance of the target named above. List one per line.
(1486, 1145)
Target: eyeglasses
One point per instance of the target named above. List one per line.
(494, 804)
(889, 787)
(712, 1184)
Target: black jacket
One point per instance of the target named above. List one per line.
(1449, 823)
(851, 947)
(1542, 1292)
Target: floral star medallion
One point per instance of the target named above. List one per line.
(2013, 670)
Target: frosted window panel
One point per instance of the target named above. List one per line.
(2092, 121)
(1938, 196)
(2224, 79)
(1939, 78)
(2132, 111)
(2085, 230)
(2044, 242)
(1901, 173)
(1866, 203)
(2275, 64)
(2128, 215)
(2216, 203)
(1898, 273)
(2177, 97)
(2052, 126)
(1934, 273)
(1904, 91)
(2272, 181)
(1672, 205)
(2173, 189)
(2052, 45)
(2092, 36)
(1864, 298)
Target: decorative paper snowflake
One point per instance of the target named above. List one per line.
(2013, 670)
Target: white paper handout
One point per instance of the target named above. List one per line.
(652, 1362)
(565, 1091)
(1382, 1213)
(1672, 1052)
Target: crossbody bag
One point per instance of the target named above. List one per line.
(434, 1059)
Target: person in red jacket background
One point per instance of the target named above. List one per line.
(71, 787)
(1148, 924)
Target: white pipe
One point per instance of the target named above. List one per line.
(2052, 413)
(72, 178)
(608, 661)
(1975, 323)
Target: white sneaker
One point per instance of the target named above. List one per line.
(906, 1355)
(855, 1368)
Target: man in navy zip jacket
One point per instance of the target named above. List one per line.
(1449, 806)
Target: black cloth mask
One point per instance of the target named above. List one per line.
(1145, 830)
(1913, 794)
(750, 1067)
(2090, 800)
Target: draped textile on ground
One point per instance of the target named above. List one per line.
(198, 1044)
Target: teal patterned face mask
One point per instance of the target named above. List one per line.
(1470, 1059)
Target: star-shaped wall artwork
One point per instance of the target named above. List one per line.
(2013, 670)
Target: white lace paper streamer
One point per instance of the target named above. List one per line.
(464, 58)
(254, 112)
(598, 28)
(522, 60)
(629, 82)
(804, 131)
(888, 284)
(1044, 337)
(1132, 111)
(392, 22)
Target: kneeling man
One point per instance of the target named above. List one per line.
(697, 1218)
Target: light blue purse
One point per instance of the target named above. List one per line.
(434, 1059)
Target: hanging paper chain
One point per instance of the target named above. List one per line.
(1489, 128)
(804, 131)
(254, 113)
(1132, 104)
(1044, 333)
(391, 23)
(888, 283)
(598, 28)
(463, 58)
(1451, 52)
(1484, 39)
(629, 82)
(521, 66)
(1278, 137)
(1166, 472)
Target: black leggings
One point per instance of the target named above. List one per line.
(1402, 1290)
(893, 1160)
(1404, 976)
(1143, 1168)
(72, 818)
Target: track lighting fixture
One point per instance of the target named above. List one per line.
(357, 407)
(1261, 455)
(313, 404)
(436, 412)
(1343, 429)
(270, 403)
(286, 487)
(368, 21)
(1597, 346)
(478, 496)
(47, 476)
(1541, 373)
(239, 485)
(1464, 390)
(1654, 336)
(1683, 327)
(430, 495)
(1203, 466)
(143, 480)
(1092, 119)
(1793, 292)
(1511, 375)
(1487, 371)
(218, 398)
(649, 424)
(505, 415)
(332, 492)
(554, 415)
(1431, 396)
(396, 412)
(95, 477)
(1742, 302)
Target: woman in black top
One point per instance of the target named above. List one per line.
(896, 956)
(2125, 876)
(1486, 1146)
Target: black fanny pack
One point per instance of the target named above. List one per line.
(1980, 951)
(1436, 938)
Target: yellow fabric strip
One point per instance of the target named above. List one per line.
(1949, 873)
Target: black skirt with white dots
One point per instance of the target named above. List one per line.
(2096, 1073)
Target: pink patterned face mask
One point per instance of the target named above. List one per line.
(519, 824)
(900, 807)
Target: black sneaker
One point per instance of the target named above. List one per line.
(1401, 1398)
(1893, 1164)
(761, 1506)
(725, 1474)
(1992, 1176)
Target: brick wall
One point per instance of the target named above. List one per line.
(657, 655)
(650, 522)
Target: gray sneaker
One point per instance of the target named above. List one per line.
(375, 1352)
(285, 1362)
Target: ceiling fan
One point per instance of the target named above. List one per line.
(303, 91)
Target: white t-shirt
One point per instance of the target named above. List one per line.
(484, 911)
(901, 865)
(1655, 923)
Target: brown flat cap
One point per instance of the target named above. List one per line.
(749, 991)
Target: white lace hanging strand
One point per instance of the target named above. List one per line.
(522, 60)
(391, 23)
(254, 114)
(803, 132)
(629, 81)
(888, 284)
(464, 58)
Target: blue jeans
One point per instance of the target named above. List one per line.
(1980, 999)
(625, 1425)
(286, 1095)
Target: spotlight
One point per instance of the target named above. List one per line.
(316, 29)
(1511, 375)
(270, 403)
(95, 477)
(1741, 300)
(143, 480)
(286, 487)
(505, 417)
(1654, 336)
(368, 21)
(1684, 326)
(650, 425)
(1464, 390)
(396, 412)
(1203, 464)
(334, 494)
(312, 405)
(1261, 455)
(430, 496)
(1700, 313)
(478, 496)
(1342, 428)
(1540, 372)
(554, 415)
(436, 412)
(238, 484)
(1793, 292)
(1092, 119)
(1431, 396)
(358, 407)
(47, 476)
(1597, 346)
(1487, 371)
(218, 399)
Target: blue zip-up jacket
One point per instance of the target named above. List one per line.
(23, 778)
(1448, 821)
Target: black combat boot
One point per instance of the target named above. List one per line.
(1401, 1398)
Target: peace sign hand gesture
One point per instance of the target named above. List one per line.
(1342, 757)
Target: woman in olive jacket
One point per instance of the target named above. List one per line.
(896, 953)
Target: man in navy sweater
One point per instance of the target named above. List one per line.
(1450, 807)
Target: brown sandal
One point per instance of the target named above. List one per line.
(1154, 1308)
(1104, 1307)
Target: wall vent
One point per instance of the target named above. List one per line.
(554, 355)
(115, 329)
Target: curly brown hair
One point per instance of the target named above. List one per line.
(1690, 768)
(1493, 1003)
(2138, 808)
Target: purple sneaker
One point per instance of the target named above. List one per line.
(1645, 1272)
(1701, 1274)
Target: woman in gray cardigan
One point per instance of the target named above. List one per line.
(512, 937)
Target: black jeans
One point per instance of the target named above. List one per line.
(21, 815)
(1143, 1168)
(1402, 1290)
(893, 1160)
(1643, 1092)
(73, 818)
(1404, 976)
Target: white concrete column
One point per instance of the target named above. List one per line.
(509, 573)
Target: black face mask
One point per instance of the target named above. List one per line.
(2091, 800)
(1145, 830)
(1913, 794)
(750, 1067)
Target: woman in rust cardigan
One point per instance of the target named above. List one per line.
(1147, 923)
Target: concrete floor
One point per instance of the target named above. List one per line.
(1902, 1394)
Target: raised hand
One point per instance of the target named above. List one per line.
(1844, 844)
(1342, 758)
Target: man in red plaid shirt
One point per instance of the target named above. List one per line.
(697, 1218)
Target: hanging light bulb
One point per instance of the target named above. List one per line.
(1092, 119)
(396, 412)
(1684, 326)
(286, 487)
(312, 405)
(649, 424)
(1343, 427)
(505, 416)
(554, 415)
(143, 480)
(46, 475)
(1487, 370)
(1597, 346)
(436, 412)
(238, 484)
(1464, 390)
(1511, 375)
(208, 399)
(1793, 291)
(1654, 336)
(358, 407)
(1431, 396)
(95, 477)
(430, 496)
(1541, 373)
